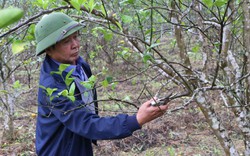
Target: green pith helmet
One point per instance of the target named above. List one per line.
(53, 28)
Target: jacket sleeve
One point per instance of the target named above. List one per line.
(78, 119)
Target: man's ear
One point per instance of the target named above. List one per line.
(48, 51)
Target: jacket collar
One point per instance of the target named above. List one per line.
(50, 66)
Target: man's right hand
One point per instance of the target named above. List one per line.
(147, 113)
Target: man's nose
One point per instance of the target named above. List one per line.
(75, 42)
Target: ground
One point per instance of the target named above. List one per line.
(174, 134)
(171, 135)
(181, 133)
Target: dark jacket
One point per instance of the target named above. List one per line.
(66, 128)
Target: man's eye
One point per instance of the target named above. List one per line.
(66, 41)
(76, 36)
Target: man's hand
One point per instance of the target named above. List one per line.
(147, 113)
(159, 102)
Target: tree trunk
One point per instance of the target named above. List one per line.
(8, 111)
(216, 125)
(245, 113)
(180, 39)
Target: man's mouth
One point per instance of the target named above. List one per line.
(75, 54)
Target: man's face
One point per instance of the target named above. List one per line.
(67, 50)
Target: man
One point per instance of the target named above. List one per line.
(69, 126)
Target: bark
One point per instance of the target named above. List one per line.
(242, 118)
(180, 39)
(244, 115)
(8, 109)
(207, 63)
(216, 125)
(8, 131)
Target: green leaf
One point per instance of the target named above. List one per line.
(126, 19)
(17, 85)
(171, 151)
(90, 83)
(64, 93)
(72, 89)
(105, 83)
(147, 57)
(50, 91)
(81, 1)
(92, 78)
(217, 44)
(144, 14)
(103, 11)
(26, 62)
(109, 79)
(40, 1)
(128, 2)
(96, 30)
(147, 32)
(31, 33)
(125, 53)
(9, 16)
(108, 36)
(43, 3)
(18, 46)
(196, 48)
(75, 4)
(51, 1)
(220, 3)
(104, 70)
(87, 84)
(51, 98)
(42, 87)
(91, 5)
(92, 54)
(62, 67)
(69, 73)
(72, 98)
(113, 85)
(69, 81)
(208, 3)
(134, 81)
